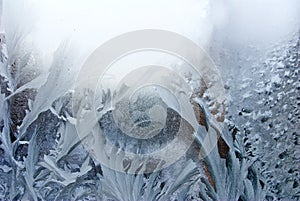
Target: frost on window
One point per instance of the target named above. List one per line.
(228, 130)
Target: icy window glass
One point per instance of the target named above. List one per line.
(149, 100)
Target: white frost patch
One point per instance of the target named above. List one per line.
(275, 79)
